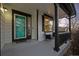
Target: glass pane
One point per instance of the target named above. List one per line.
(63, 22)
(20, 26)
(48, 23)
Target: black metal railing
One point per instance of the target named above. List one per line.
(62, 38)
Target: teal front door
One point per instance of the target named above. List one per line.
(19, 26)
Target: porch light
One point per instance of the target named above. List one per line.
(3, 9)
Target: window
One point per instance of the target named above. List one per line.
(63, 25)
(47, 23)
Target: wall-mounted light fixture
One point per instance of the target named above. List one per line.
(3, 9)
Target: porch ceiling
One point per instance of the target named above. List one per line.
(69, 8)
(46, 7)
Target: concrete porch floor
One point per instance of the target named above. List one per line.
(31, 48)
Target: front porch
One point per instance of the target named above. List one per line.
(34, 48)
(38, 24)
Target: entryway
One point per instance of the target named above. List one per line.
(21, 26)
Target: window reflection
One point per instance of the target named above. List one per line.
(48, 24)
(63, 25)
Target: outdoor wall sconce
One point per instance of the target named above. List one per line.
(3, 9)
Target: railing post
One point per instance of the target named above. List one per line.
(56, 27)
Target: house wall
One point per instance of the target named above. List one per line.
(40, 32)
(6, 24)
(2, 30)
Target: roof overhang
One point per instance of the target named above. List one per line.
(68, 8)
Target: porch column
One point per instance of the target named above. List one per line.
(56, 27)
(70, 26)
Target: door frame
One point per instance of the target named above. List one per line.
(20, 13)
(31, 26)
